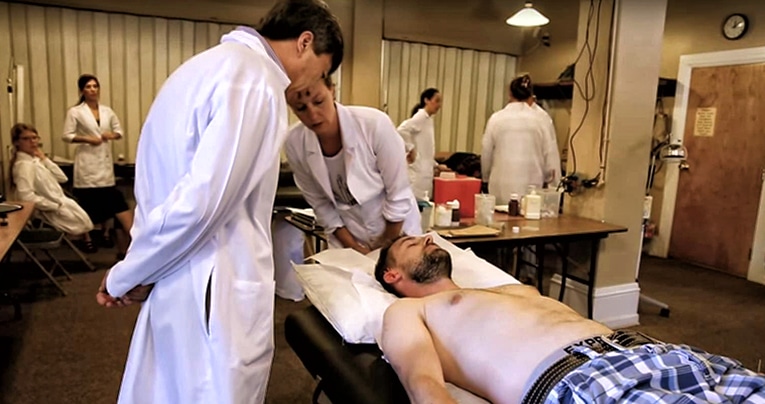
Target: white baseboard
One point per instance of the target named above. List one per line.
(615, 306)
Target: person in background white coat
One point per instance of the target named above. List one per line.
(206, 176)
(347, 161)
(419, 137)
(36, 179)
(519, 146)
(93, 126)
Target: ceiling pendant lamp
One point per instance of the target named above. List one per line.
(528, 16)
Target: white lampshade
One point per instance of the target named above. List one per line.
(527, 17)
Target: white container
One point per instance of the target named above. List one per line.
(533, 205)
(550, 202)
(426, 217)
(484, 209)
(443, 215)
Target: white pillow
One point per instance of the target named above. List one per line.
(343, 288)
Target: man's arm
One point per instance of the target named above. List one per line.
(408, 346)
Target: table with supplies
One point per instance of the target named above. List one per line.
(512, 233)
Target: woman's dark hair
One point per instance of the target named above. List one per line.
(521, 88)
(290, 18)
(82, 82)
(426, 95)
(16, 131)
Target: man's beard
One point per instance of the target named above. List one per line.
(433, 266)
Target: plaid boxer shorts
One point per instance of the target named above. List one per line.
(659, 373)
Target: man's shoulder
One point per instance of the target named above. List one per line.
(407, 305)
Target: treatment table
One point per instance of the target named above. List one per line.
(347, 373)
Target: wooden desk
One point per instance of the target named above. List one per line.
(16, 222)
(562, 230)
(8, 234)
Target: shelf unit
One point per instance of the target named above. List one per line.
(563, 90)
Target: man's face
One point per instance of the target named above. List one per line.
(309, 69)
(315, 108)
(421, 259)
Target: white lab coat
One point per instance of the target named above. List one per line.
(38, 181)
(206, 176)
(418, 132)
(93, 165)
(376, 176)
(519, 149)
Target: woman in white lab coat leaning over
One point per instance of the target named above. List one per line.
(93, 126)
(350, 165)
(36, 179)
(420, 140)
(519, 146)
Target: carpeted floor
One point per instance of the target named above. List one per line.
(69, 350)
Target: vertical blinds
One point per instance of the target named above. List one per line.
(473, 84)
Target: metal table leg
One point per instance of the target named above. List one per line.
(591, 275)
(563, 271)
(540, 267)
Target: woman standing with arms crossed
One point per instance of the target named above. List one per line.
(92, 125)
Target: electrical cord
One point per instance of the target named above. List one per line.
(589, 91)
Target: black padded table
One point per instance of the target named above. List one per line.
(347, 373)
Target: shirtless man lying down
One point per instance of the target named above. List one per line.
(512, 345)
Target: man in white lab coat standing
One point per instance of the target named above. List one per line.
(206, 175)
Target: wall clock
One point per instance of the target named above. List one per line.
(735, 26)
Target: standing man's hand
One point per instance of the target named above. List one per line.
(104, 298)
(138, 294)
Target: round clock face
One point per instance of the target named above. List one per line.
(735, 26)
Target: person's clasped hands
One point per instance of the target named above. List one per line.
(138, 294)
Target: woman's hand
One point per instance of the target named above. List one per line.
(95, 140)
(110, 136)
(39, 154)
(411, 156)
(362, 248)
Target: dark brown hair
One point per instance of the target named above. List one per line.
(521, 88)
(290, 18)
(83, 81)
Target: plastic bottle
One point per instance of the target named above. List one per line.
(514, 206)
(443, 215)
(455, 205)
(428, 211)
(533, 204)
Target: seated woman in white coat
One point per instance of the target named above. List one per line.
(36, 179)
(519, 146)
(349, 163)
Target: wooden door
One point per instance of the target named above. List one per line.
(719, 195)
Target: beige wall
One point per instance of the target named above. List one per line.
(130, 55)
(692, 26)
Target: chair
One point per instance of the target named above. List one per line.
(44, 238)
